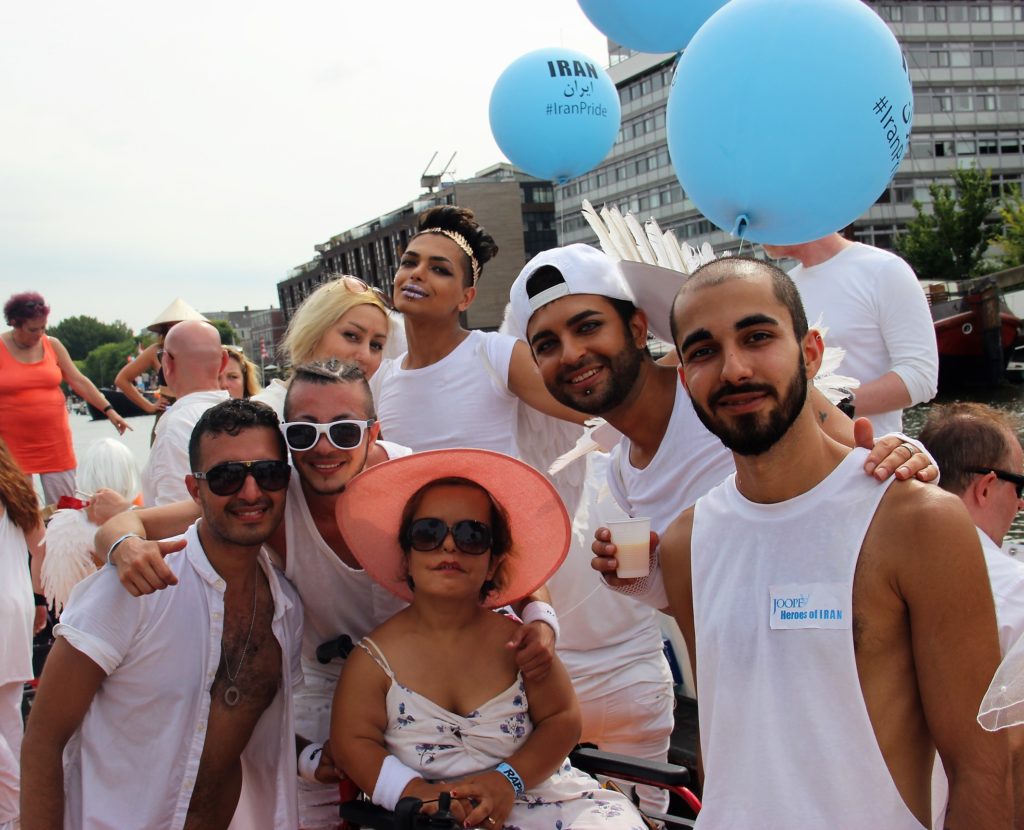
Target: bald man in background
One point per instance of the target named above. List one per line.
(192, 359)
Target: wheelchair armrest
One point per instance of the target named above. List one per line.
(596, 762)
(365, 813)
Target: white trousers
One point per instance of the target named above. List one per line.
(11, 731)
(637, 721)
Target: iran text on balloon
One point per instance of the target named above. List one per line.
(576, 109)
(883, 109)
(564, 67)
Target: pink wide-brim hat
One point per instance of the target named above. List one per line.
(369, 515)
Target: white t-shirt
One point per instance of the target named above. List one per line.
(163, 479)
(873, 306)
(1006, 575)
(18, 610)
(161, 653)
(463, 400)
(273, 395)
(602, 633)
(690, 461)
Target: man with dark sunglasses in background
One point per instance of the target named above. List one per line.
(191, 688)
(982, 462)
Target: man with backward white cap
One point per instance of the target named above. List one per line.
(585, 318)
(578, 313)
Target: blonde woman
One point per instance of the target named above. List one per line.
(344, 319)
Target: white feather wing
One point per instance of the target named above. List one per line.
(68, 560)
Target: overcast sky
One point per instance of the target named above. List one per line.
(201, 149)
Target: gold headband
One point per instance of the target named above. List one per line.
(463, 243)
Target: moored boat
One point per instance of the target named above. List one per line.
(975, 330)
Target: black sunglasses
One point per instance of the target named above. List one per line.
(345, 435)
(1016, 480)
(469, 536)
(227, 479)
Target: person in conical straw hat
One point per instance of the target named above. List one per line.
(148, 360)
(432, 700)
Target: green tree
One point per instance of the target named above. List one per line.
(103, 363)
(228, 335)
(81, 334)
(949, 243)
(1011, 237)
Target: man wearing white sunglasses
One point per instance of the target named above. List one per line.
(331, 430)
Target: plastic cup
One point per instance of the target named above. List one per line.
(632, 540)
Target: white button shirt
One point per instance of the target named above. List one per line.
(133, 762)
(163, 479)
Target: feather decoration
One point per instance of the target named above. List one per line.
(598, 226)
(597, 435)
(68, 560)
(832, 385)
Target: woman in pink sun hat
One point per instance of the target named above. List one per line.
(432, 700)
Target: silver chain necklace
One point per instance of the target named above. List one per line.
(231, 693)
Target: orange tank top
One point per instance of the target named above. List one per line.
(33, 414)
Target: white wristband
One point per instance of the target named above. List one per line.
(393, 778)
(309, 760)
(538, 611)
(117, 542)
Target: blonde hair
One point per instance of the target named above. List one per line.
(250, 383)
(321, 310)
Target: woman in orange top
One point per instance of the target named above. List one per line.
(33, 414)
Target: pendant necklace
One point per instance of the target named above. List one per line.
(231, 693)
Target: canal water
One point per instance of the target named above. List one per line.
(1010, 397)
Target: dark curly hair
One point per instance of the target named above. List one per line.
(25, 306)
(231, 417)
(501, 537)
(461, 220)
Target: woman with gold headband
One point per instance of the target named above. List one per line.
(454, 387)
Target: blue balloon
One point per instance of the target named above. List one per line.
(650, 25)
(787, 118)
(555, 113)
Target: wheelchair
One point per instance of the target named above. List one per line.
(357, 811)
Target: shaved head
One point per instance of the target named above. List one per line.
(196, 357)
(724, 269)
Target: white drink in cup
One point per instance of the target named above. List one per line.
(632, 540)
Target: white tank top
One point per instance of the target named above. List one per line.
(336, 599)
(784, 730)
(690, 461)
(463, 400)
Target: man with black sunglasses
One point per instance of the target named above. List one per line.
(191, 688)
(982, 462)
(330, 426)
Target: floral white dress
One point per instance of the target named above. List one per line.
(442, 745)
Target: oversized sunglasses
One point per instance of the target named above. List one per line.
(1016, 480)
(227, 479)
(470, 536)
(345, 435)
(357, 286)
